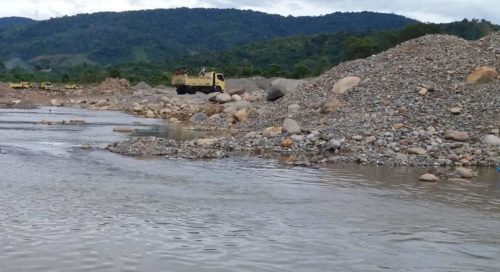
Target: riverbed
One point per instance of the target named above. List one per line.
(64, 208)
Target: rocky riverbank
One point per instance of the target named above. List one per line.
(432, 101)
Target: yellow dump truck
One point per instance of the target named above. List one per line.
(206, 82)
(71, 86)
(21, 85)
(46, 86)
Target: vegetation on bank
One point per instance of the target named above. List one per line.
(296, 56)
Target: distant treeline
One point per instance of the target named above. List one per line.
(296, 57)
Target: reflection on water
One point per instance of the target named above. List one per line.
(180, 132)
(68, 209)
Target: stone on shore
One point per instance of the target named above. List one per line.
(482, 75)
(293, 108)
(345, 84)
(491, 140)
(272, 131)
(150, 114)
(428, 178)
(198, 117)
(223, 98)
(241, 115)
(331, 105)
(416, 151)
(464, 172)
(291, 126)
(287, 143)
(459, 136)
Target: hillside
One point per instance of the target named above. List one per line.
(7, 22)
(144, 36)
(310, 55)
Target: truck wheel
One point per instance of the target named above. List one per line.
(181, 90)
(192, 90)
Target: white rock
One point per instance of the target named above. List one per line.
(491, 140)
(345, 84)
(293, 108)
(223, 98)
(428, 178)
(464, 172)
(291, 126)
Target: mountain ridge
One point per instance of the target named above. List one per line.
(113, 37)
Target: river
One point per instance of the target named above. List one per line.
(64, 208)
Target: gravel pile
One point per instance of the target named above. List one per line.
(114, 85)
(408, 97)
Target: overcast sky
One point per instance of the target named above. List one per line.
(423, 10)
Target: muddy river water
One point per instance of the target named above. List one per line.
(63, 208)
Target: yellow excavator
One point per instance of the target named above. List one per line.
(71, 86)
(206, 82)
(46, 86)
(21, 85)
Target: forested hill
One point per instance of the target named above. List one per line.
(7, 22)
(150, 35)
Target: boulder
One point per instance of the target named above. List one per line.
(86, 146)
(212, 97)
(271, 131)
(453, 157)
(198, 117)
(423, 91)
(223, 98)
(357, 137)
(293, 108)
(482, 75)
(138, 108)
(331, 105)
(240, 115)
(236, 97)
(333, 145)
(101, 103)
(455, 110)
(416, 151)
(459, 136)
(491, 140)
(150, 114)
(464, 172)
(287, 143)
(211, 109)
(345, 84)
(55, 103)
(428, 178)
(291, 126)
(165, 111)
(281, 86)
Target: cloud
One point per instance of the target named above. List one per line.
(424, 10)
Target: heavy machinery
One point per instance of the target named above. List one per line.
(72, 86)
(46, 86)
(206, 82)
(21, 85)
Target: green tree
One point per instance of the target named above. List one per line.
(114, 72)
(300, 71)
(357, 48)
